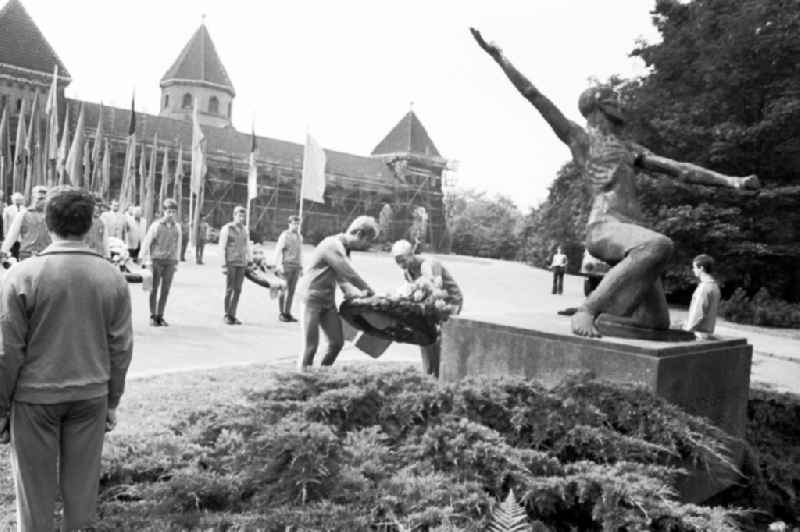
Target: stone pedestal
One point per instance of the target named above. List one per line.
(709, 378)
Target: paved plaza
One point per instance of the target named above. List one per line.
(198, 338)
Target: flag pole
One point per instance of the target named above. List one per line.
(303, 181)
(249, 199)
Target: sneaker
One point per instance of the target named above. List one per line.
(283, 317)
(154, 321)
(161, 321)
(228, 320)
(289, 317)
(236, 322)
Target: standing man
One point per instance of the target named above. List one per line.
(328, 266)
(134, 233)
(705, 301)
(29, 228)
(559, 266)
(233, 240)
(202, 238)
(9, 213)
(96, 238)
(161, 249)
(415, 266)
(67, 339)
(116, 222)
(288, 262)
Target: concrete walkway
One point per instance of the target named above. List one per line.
(198, 338)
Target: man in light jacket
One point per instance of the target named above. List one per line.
(161, 250)
(233, 241)
(67, 338)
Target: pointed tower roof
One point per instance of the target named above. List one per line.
(408, 136)
(199, 64)
(24, 52)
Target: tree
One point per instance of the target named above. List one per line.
(482, 226)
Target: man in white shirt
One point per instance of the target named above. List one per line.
(115, 221)
(559, 267)
(705, 300)
(9, 213)
(134, 232)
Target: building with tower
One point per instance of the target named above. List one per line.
(405, 170)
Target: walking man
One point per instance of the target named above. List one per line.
(705, 301)
(415, 266)
(233, 238)
(559, 266)
(289, 263)
(29, 228)
(328, 266)
(67, 339)
(161, 248)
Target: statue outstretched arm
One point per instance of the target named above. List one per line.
(693, 173)
(565, 129)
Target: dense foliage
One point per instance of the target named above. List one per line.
(722, 92)
(393, 451)
(482, 226)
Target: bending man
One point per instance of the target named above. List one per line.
(328, 266)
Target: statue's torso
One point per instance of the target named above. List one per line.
(608, 163)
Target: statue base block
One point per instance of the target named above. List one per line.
(708, 378)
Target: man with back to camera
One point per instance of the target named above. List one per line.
(328, 266)
(233, 241)
(29, 228)
(288, 262)
(67, 338)
(161, 249)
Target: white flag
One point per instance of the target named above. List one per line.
(313, 186)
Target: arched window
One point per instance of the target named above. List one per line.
(186, 103)
(166, 101)
(213, 105)
(230, 106)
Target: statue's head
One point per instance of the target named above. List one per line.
(601, 98)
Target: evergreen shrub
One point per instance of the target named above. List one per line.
(395, 450)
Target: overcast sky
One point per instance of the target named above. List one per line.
(348, 70)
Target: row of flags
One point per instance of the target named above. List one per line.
(41, 157)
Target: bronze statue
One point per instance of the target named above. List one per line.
(630, 295)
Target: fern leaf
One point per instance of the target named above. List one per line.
(509, 516)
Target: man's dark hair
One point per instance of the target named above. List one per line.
(294, 218)
(705, 262)
(68, 211)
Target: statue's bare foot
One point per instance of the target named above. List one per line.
(583, 324)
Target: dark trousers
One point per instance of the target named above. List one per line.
(163, 271)
(184, 243)
(198, 252)
(57, 446)
(233, 287)
(290, 275)
(558, 279)
(15, 250)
